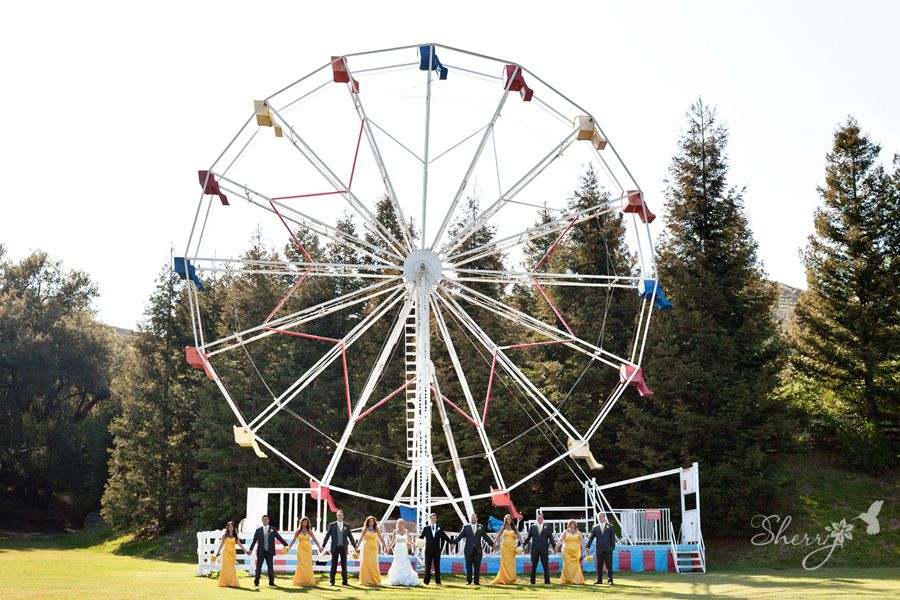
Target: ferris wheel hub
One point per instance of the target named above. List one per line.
(423, 265)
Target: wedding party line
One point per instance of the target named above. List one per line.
(410, 551)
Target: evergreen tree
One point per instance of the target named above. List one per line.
(713, 360)
(254, 375)
(152, 464)
(577, 385)
(849, 316)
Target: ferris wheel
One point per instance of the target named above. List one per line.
(423, 129)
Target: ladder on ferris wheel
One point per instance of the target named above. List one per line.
(409, 339)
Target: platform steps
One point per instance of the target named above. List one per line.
(689, 561)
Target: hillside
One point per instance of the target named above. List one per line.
(819, 492)
(787, 300)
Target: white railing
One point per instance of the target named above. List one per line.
(636, 527)
(208, 542)
(673, 546)
(702, 548)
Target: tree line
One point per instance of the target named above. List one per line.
(93, 419)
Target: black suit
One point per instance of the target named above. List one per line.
(339, 542)
(434, 539)
(474, 535)
(606, 543)
(540, 549)
(265, 551)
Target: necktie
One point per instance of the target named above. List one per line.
(265, 538)
(433, 530)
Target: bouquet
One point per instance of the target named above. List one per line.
(588, 558)
(285, 550)
(420, 544)
(355, 555)
(518, 549)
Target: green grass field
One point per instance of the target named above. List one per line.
(95, 563)
(52, 568)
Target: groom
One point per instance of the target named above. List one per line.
(474, 535)
(541, 538)
(264, 540)
(341, 537)
(434, 538)
(605, 535)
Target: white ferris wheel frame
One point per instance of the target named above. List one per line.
(427, 289)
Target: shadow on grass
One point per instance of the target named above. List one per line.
(177, 547)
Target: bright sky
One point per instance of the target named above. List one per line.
(111, 108)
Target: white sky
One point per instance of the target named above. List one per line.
(111, 108)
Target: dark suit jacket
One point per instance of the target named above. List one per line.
(543, 539)
(473, 535)
(259, 542)
(434, 543)
(339, 538)
(606, 541)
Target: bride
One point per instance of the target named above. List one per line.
(401, 571)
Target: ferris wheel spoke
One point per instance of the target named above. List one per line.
(302, 219)
(467, 392)
(607, 407)
(337, 351)
(301, 317)
(283, 457)
(552, 279)
(510, 193)
(531, 391)
(352, 200)
(535, 325)
(465, 180)
(565, 220)
(427, 143)
(373, 379)
(289, 268)
(439, 400)
(379, 160)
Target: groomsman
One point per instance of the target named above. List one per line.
(434, 539)
(341, 538)
(264, 540)
(541, 538)
(474, 535)
(605, 534)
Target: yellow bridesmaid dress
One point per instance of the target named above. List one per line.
(507, 574)
(228, 574)
(369, 574)
(571, 571)
(304, 574)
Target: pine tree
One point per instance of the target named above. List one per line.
(152, 464)
(849, 316)
(714, 359)
(254, 374)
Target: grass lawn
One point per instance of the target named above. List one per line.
(46, 569)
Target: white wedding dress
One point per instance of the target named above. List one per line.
(401, 571)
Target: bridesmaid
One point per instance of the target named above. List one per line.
(506, 539)
(228, 573)
(573, 545)
(369, 573)
(304, 574)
